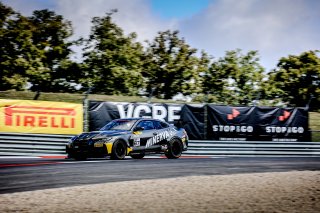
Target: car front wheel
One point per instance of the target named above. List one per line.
(118, 150)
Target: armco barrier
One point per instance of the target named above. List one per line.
(254, 148)
(15, 144)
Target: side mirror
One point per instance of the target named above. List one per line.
(138, 128)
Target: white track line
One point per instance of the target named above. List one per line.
(15, 157)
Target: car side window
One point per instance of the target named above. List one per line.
(157, 125)
(164, 125)
(147, 125)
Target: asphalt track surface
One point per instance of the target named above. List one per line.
(26, 174)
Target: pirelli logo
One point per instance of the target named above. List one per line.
(41, 117)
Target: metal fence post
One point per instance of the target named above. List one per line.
(86, 109)
(205, 121)
(85, 115)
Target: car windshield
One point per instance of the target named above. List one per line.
(119, 125)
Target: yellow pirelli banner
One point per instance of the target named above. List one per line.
(40, 117)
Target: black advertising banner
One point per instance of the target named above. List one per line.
(230, 123)
(100, 113)
(257, 123)
(284, 124)
(212, 122)
(192, 117)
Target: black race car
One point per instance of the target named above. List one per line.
(133, 136)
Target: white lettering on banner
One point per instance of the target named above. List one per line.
(226, 128)
(278, 129)
(122, 112)
(141, 108)
(172, 110)
(232, 139)
(285, 139)
(158, 112)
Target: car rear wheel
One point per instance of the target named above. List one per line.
(118, 150)
(137, 156)
(174, 149)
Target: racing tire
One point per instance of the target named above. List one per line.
(137, 156)
(174, 149)
(119, 150)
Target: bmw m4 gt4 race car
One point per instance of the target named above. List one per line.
(134, 137)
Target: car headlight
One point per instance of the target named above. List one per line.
(71, 141)
(102, 137)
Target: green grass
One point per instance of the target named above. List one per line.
(314, 124)
(76, 97)
(314, 117)
(314, 120)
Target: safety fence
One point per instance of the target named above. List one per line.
(254, 148)
(14, 144)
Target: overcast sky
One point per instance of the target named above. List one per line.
(276, 28)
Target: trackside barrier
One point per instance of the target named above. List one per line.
(15, 144)
(253, 148)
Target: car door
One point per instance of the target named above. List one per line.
(160, 136)
(142, 137)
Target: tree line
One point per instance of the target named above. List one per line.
(36, 55)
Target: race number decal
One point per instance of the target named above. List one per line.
(136, 142)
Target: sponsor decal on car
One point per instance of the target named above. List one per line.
(164, 135)
(98, 144)
(136, 142)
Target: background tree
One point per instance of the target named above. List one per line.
(235, 78)
(6, 16)
(32, 49)
(68, 76)
(35, 51)
(299, 79)
(113, 61)
(19, 55)
(50, 33)
(171, 66)
(215, 82)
